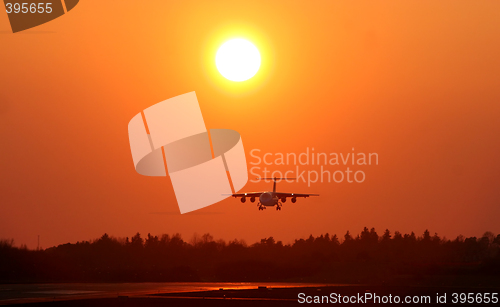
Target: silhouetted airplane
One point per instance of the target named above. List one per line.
(271, 199)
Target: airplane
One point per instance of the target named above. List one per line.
(271, 199)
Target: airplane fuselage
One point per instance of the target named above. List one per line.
(268, 199)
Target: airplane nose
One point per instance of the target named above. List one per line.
(265, 197)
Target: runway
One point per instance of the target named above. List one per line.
(30, 293)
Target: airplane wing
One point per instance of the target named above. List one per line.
(250, 194)
(281, 195)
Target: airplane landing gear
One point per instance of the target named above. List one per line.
(278, 206)
(261, 207)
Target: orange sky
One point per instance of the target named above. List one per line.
(415, 81)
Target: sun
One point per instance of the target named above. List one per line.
(237, 60)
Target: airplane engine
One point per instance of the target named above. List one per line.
(283, 200)
(294, 200)
(243, 199)
(252, 199)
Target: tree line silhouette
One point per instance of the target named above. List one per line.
(367, 257)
